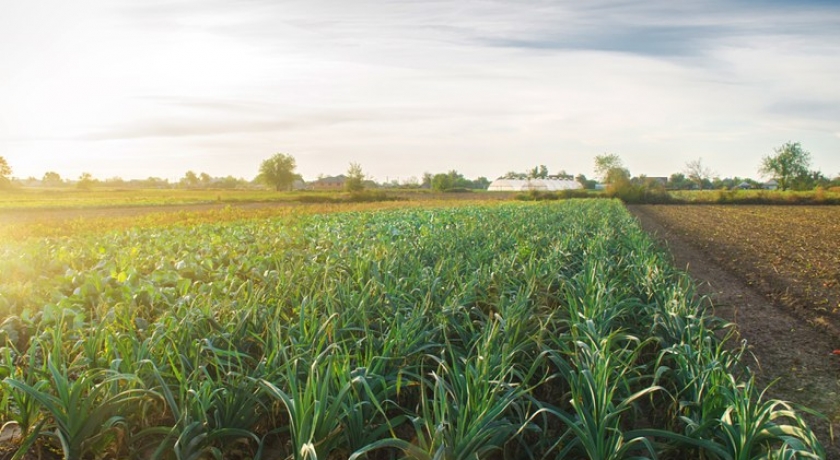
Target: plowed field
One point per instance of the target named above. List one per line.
(790, 253)
(775, 272)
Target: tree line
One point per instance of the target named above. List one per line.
(789, 166)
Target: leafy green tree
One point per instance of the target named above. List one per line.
(190, 179)
(448, 181)
(278, 171)
(789, 163)
(427, 180)
(51, 178)
(5, 172)
(586, 183)
(86, 181)
(539, 172)
(617, 175)
(205, 179)
(441, 182)
(678, 181)
(481, 183)
(609, 168)
(355, 178)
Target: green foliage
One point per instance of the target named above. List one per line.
(789, 164)
(52, 179)
(85, 182)
(84, 408)
(5, 172)
(609, 167)
(442, 182)
(517, 330)
(278, 171)
(639, 190)
(355, 178)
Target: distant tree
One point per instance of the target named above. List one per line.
(678, 181)
(355, 181)
(154, 182)
(809, 181)
(586, 183)
(481, 183)
(539, 172)
(609, 167)
(452, 179)
(442, 182)
(5, 173)
(698, 173)
(86, 181)
(427, 180)
(278, 172)
(205, 179)
(115, 181)
(51, 178)
(411, 182)
(190, 179)
(230, 182)
(787, 164)
(617, 175)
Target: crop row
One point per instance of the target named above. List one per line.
(508, 331)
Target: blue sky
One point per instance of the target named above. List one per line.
(153, 88)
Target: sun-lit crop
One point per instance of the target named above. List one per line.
(484, 331)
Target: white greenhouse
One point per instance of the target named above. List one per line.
(524, 185)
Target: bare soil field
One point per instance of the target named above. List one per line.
(775, 272)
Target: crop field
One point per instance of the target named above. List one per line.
(792, 253)
(513, 330)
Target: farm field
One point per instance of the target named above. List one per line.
(65, 199)
(513, 330)
(791, 253)
(790, 340)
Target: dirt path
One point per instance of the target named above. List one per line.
(783, 346)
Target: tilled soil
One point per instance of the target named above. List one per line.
(787, 349)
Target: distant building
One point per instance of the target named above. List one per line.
(524, 185)
(770, 185)
(329, 183)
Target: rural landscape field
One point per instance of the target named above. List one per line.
(772, 270)
(441, 330)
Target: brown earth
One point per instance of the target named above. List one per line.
(789, 349)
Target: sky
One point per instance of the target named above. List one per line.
(142, 88)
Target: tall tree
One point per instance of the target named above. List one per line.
(788, 163)
(539, 172)
(355, 178)
(190, 179)
(5, 172)
(278, 171)
(86, 181)
(607, 166)
(205, 179)
(698, 173)
(427, 180)
(51, 178)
